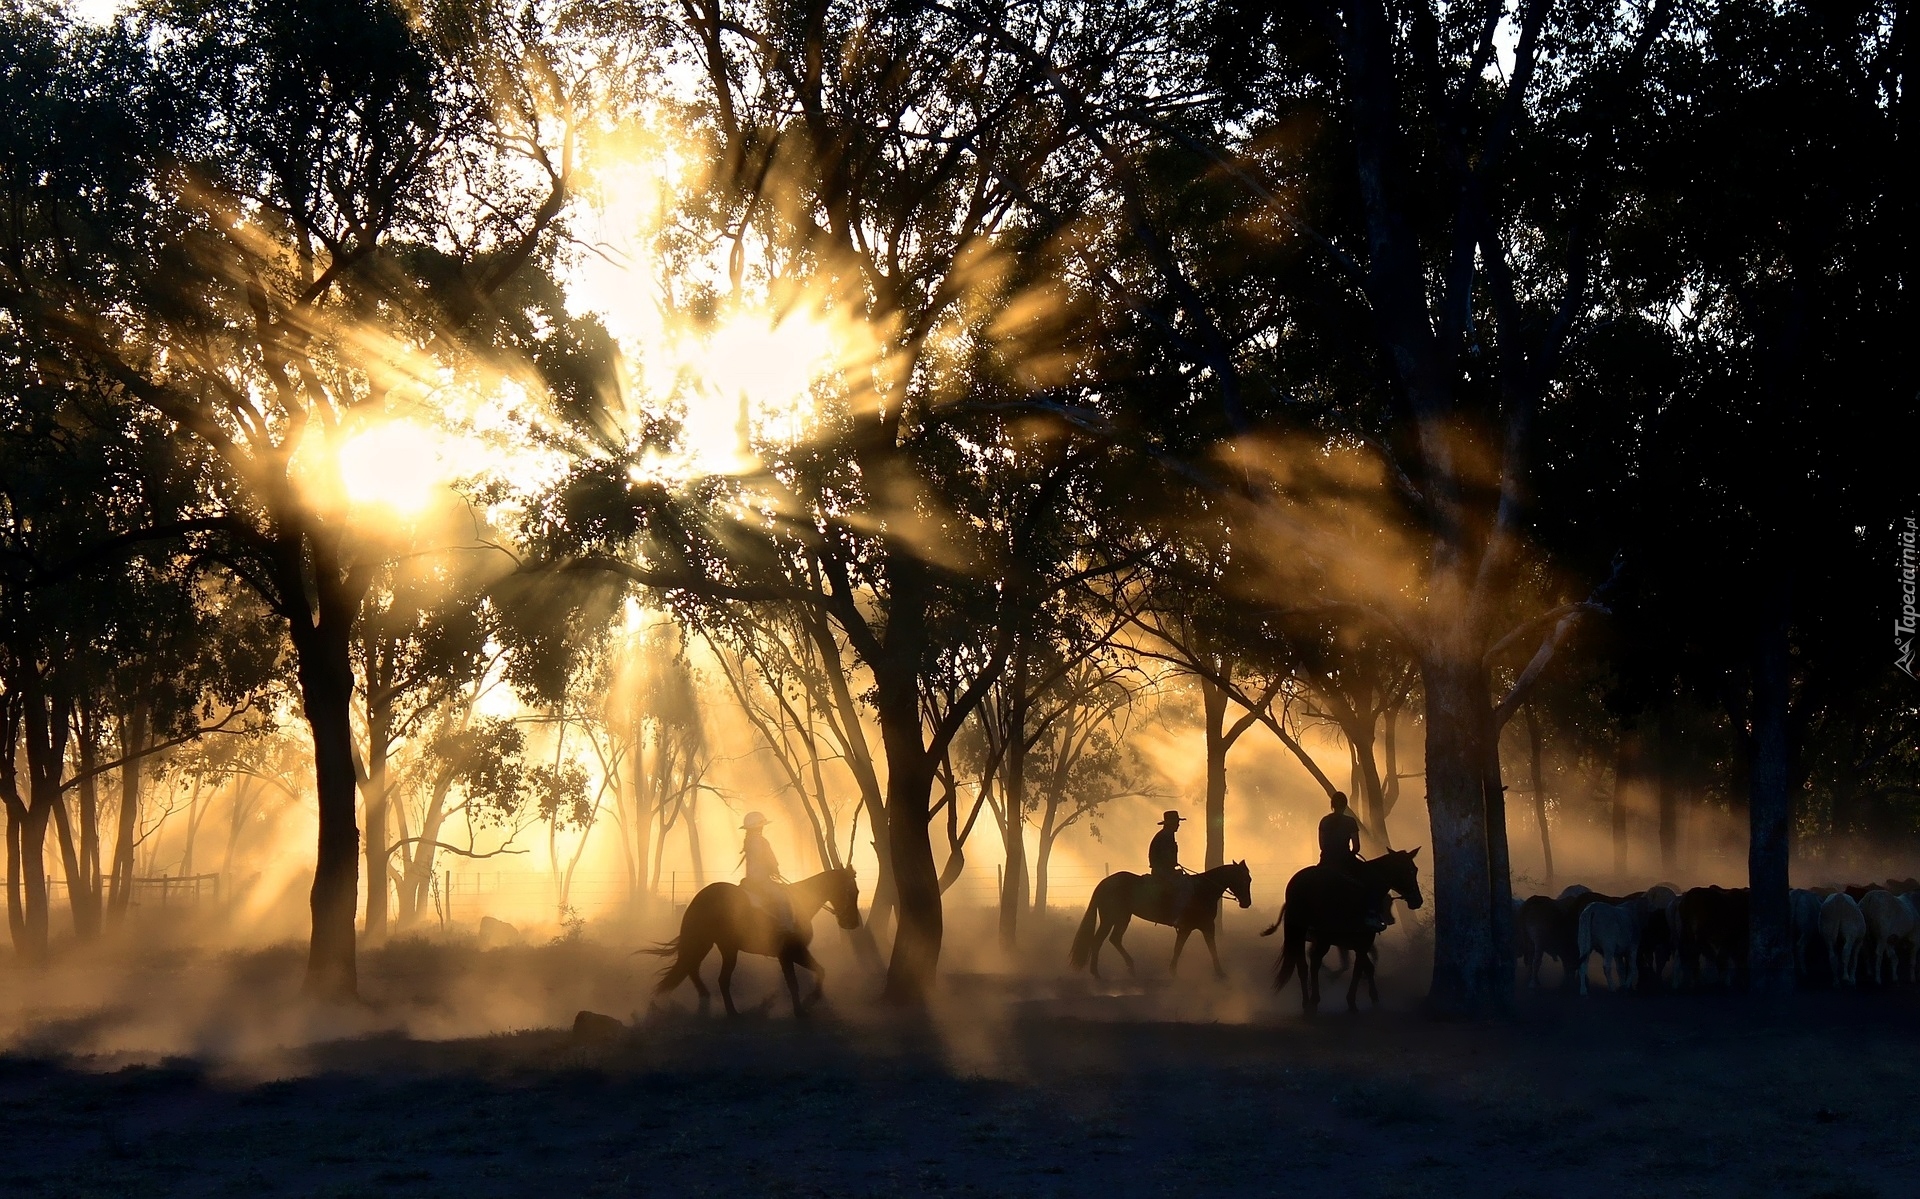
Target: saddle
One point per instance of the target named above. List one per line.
(1378, 916)
(1162, 897)
(770, 900)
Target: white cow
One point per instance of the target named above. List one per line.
(1614, 930)
(1843, 929)
(1657, 897)
(1890, 927)
(1804, 907)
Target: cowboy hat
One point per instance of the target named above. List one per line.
(755, 820)
(1170, 818)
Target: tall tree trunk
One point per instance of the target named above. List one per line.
(86, 890)
(133, 740)
(910, 770)
(1770, 807)
(69, 859)
(1499, 867)
(859, 761)
(326, 693)
(1390, 747)
(690, 813)
(642, 828)
(1539, 790)
(32, 945)
(1213, 703)
(1626, 776)
(46, 727)
(1013, 833)
(1466, 965)
(378, 847)
(1368, 785)
(1043, 859)
(1666, 789)
(16, 909)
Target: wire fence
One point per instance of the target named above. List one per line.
(166, 890)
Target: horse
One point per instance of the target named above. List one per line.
(1326, 907)
(723, 916)
(1123, 895)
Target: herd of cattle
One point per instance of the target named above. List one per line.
(1840, 934)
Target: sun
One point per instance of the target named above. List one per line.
(396, 466)
(755, 379)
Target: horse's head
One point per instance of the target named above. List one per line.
(1240, 883)
(1403, 874)
(844, 898)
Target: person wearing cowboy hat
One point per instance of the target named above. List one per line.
(1163, 860)
(762, 880)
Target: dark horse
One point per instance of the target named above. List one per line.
(722, 916)
(1327, 908)
(1122, 896)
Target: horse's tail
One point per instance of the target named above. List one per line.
(676, 971)
(1083, 940)
(1272, 928)
(1292, 954)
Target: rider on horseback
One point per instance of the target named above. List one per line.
(763, 883)
(1340, 836)
(1340, 852)
(1163, 860)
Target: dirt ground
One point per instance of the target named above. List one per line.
(173, 1072)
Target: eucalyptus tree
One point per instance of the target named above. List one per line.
(851, 171)
(317, 203)
(1777, 260)
(471, 773)
(104, 661)
(1331, 238)
(421, 646)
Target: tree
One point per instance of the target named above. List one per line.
(265, 283)
(1381, 152)
(877, 185)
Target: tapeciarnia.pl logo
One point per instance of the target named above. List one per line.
(1903, 624)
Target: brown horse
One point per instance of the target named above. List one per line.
(722, 916)
(1122, 896)
(1326, 907)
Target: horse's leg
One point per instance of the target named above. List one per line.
(793, 984)
(1206, 933)
(1099, 939)
(1318, 956)
(819, 973)
(1119, 931)
(1353, 984)
(1373, 976)
(690, 963)
(728, 957)
(1179, 943)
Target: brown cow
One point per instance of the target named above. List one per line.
(1710, 922)
(1544, 931)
